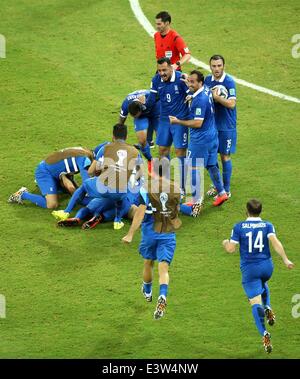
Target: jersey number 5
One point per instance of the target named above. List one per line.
(258, 243)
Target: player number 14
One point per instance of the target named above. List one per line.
(258, 243)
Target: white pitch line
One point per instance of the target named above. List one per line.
(142, 19)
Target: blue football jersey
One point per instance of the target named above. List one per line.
(72, 165)
(253, 236)
(225, 117)
(202, 108)
(172, 95)
(98, 147)
(152, 111)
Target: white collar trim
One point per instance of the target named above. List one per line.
(198, 91)
(221, 80)
(253, 219)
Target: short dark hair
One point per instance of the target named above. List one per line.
(216, 57)
(164, 16)
(134, 108)
(164, 60)
(200, 76)
(254, 207)
(120, 131)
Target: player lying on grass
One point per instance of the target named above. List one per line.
(54, 174)
(158, 214)
(98, 209)
(253, 236)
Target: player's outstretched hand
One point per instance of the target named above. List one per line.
(173, 120)
(225, 242)
(127, 239)
(289, 264)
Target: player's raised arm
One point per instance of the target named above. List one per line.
(277, 246)
(136, 223)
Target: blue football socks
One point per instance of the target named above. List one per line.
(259, 317)
(163, 290)
(83, 213)
(146, 151)
(147, 287)
(186, 209)
(215, 176)
(38, 200)
(182, 171)
(227, 171)
(195, 184)
(266, 296)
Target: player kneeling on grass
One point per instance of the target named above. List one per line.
(253, 236)
(54, 174)
(158, 214)
(97, 210)
(117, 162)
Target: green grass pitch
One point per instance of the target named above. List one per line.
(75, 294)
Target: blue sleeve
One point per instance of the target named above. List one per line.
(144, 197)
(270, 230)
(86, 163)
(124, 109)
(235, 234)
(84, 174)
(198, 109)
(83, 164)
(97, 148)
(77, 196)
(152, 98)
(230, 85)
(100, 153)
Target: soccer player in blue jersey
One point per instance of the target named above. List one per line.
(158, 214)
(169, 86)
(97, 210)
(98, 148)
(144, 118)
(54, 174)
(253, 236)
(117, 163)
(224, 94)
(203, 145)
